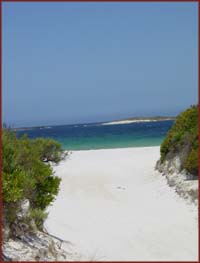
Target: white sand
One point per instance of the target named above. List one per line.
(131, 121)
(125, 122)
(114, 206)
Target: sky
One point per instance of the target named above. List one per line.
(66, 63)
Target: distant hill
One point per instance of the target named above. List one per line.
(139, 119)
(156, 118)
(127, 120)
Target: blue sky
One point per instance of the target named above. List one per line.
(85, 62)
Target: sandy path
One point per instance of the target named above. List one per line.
(114, 206)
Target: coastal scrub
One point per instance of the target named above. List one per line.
(25, 175)
(182, 139)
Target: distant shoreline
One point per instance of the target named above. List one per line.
(121, 121)
(133, 120)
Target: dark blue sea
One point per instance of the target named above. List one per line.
(98, 136)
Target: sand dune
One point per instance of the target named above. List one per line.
(125, 122)
(114, 206)
(135, 120)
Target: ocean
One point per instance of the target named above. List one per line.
(98, 136)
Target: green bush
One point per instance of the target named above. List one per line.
(191, 162)
(12, 186)
(25, 175)
(184, 135)
(38, 215)
(48, 150)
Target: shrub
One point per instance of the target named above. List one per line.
(184, 135)
(48, 150)
(25, 175)
(191, 162)
(39, 216)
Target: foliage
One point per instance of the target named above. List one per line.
(38, 215)
(184, 135)
(25, 175)
(48, 149)
(191, 162)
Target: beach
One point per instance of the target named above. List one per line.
(113, 205)
(126, 122)
(134, 121)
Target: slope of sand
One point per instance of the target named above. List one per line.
(133, 121)
(125, 122)
(113, 206)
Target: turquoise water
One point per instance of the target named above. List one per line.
(98, 136)
(108, 143)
